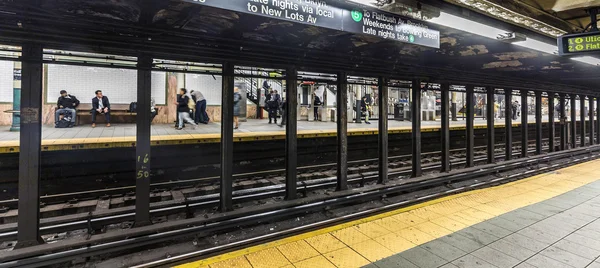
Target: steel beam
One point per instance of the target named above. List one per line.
(491, 115)
(591, 124)
(342, 131)
(563, 121)
(551, 129)
(573, 121)
(291, 131)
(383, 129)
(582, 129)
(30, 146)
(524, 123)
(142, 146)
(538, 122)
(470, 131)
(445, 113)
(508, 124)
(416, 127)
(227, 137)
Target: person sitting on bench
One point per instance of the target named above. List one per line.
(66, 103)
(100, 105)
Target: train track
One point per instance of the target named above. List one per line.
(145, 236)
(203, 186)
(97, 220)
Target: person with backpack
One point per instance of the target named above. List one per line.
(273, 104)
(236, 107)
(515, 108)
(183, 110)
(66, 104)
(284, 109)
(201, 115)
(364, 108)
(317, 102)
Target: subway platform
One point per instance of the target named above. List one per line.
(123, 135)
(549, 220)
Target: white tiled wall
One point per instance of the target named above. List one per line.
(119, 85)
(6, 81)
(209, 85)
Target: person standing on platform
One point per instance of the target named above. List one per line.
(66, 103)
(273, 103)
(364, 107)
(515, 108)
(284, 110)
(496, 109)
(183, 110)
(236, 107)
(100, 105)
(201, 115)
(316, 105)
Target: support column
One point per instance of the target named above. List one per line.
(563, 121)
(453, 107)
(383, 130)
(582, 117)
(16, 117)
(342, 131)
(491, 133)
(538, 122)
(508, 123)
(416, 127)
(597, 120)
(358, 98)
(291, 131)
(591, 124)
(573, 121)
(227, 137)
(470, 131)
(142, 146)
(445, 88)
(524, 124)
(551, 109)
(30, 147)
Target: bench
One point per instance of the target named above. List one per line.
(115, 110)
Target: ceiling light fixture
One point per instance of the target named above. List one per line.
(508, 15)
(466, 25)
(588, 60)
(538, 46)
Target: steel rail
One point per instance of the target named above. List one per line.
(204, 253)
(187, 230)
(94, 194)
(240, 196)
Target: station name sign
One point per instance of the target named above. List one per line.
(583, 43)
(321, 13)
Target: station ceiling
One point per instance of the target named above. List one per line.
(175, 24)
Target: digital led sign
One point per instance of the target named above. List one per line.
(583, 43)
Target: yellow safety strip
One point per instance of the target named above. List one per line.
(367, 240)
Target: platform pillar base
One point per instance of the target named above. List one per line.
(29, 243)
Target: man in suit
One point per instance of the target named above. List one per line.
(100, 105)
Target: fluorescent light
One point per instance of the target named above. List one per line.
(365, 2)
(466, 25)
(538, 45)
(588, 60)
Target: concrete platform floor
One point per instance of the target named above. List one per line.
(253, 125)
(549, 220)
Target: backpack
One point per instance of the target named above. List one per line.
(133, 107)
(65, 122)
(191, 104)
(236, 98)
